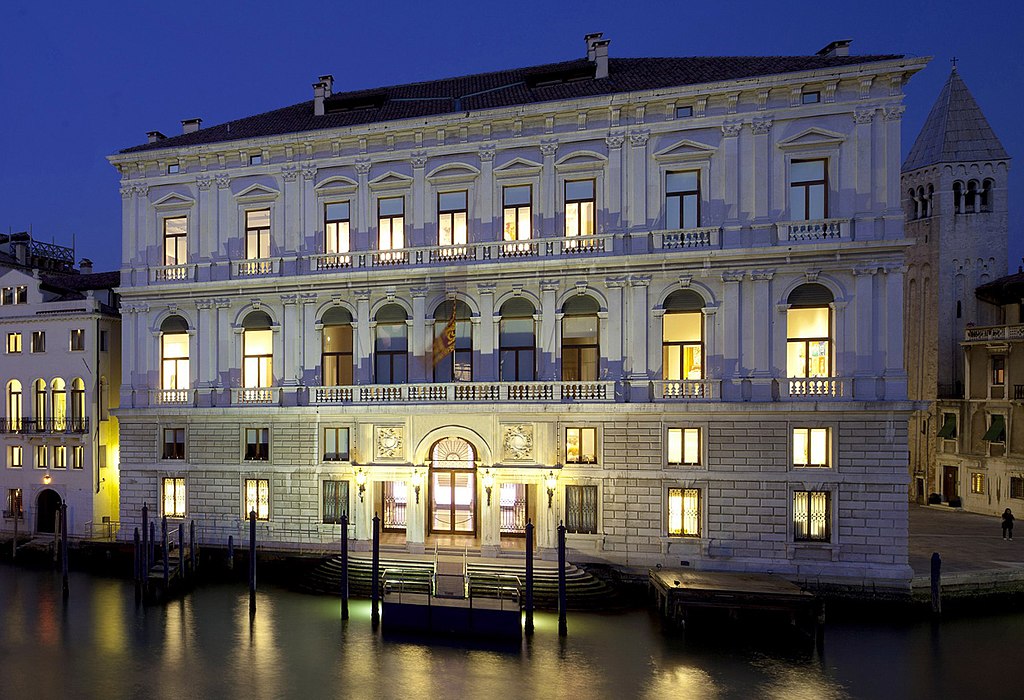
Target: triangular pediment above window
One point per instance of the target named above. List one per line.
(391, 179)
(336, 181)
(813, 137)
(591, 158)
(174, 201)
(686, 149)
(453, 171)
(257, 192)
(518, 164)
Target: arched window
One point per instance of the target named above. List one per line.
(929, 200)
(682, 341)
(581, 351)
(453, 342)
(391, 346)
(257, 351)
(59, 404)
(986, 195)
(971, 202)
(958, 197)
(911, 205)
(78, 405)
(517, 341)
(809, 332)
(39, 403)
(174, 353)
(14, 406)
(336, 348)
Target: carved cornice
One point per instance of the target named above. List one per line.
(762, 275)
(615, 139)
(308, 171)
(638, 139)
(731, 129)
(864, 115)
(893, 113)
(487, 154)
(290, 173)
(418, 159)
(733, 276)
(362, 166)
(223, 182)
(204, 183)
(549, 148)
(762, 126)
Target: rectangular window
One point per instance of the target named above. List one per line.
(581, 445)
(257, 234)
(6, 296)
(16, 457)
(684, 512)
(1016, 487)
(808, 190)
(174, 443)
(78, 457)
(175, 238)
(257, 358)
(256, 160)
(685, 111)
(998, 370)
(579, 207)
(811, 447)
(977, 482)
(38, 341)
(808, 334)
(42, 457)
(14, 507)
(77, 339)
(948, 429)
(391, 223)
(104, 341)
(810, 98)
(14, 295)
(174, 497)
(996, 428)
(812, 516)
(257, 444)
(335, 444)
(257, 498)
(336, 228)
(60, 457)
(21, 294)
(517, 204)
(581, 509)
(682, 200)
(335, 501)
(684, 446)
(13, 342)
(173, 168)
(452, 218)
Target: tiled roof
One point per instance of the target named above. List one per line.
(955, 131)
(1005, 290)
(545, 83)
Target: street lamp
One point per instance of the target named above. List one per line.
(551, 482)
(488, 482)
(361, 482)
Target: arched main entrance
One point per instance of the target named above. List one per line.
(47, 505)
(452, 487)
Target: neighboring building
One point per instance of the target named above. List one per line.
(61, 339)
(955, 184)
(658, 300)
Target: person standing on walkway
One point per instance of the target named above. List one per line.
(1007, 524)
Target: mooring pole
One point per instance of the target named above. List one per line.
(192, 548)
(136, 561)
(252, 562)
(231, 552)
(145, 544)
(163, 543)
(181, 550)
(152, 542)
(936, 584)
(344, 567)
(375, 573)
(64, 548)
(563, 628)
(529, 577)
(14, 542)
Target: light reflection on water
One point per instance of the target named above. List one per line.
(205, 646)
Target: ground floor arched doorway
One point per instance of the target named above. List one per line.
(452, 491)
(47, 507)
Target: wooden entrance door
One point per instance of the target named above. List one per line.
(949, 483)
(453, 501)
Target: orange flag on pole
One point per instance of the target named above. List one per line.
(444, 344)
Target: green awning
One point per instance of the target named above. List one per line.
(997, 430)
(948, 429)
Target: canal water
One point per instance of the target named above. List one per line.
(100, 645)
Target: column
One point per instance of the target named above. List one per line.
(759, 354)
(895, 373)
(289, 217)
(549, 226)
(308, 219)
(206, 336)
(422, 337)
(614, 216)
(889, 198)
(547, 359)
(548, 517)
(417, 235)
(363, 342)
(634, 338)
(732, 370)
(864, 205)
(130, 244)
(308, 356)
(364, 215)
(636, 204)
(712, 353)
(202, 243)
(730, 173)
(291, 338)
(761, 173)
(864, 340)
(485, 213)
(416, 511)
(226, 229)
(485, 361)
(490, 517)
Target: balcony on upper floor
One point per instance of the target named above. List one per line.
(989, 334)
(172, 397)
(172, 273)
(817, 388)
(687, 389)
(44, 426)
(259, 396)
(704, 237)
(256, 267)
(465, 392)
(820, 230)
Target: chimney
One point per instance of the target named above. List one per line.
(328, 82)
(590, 39)
(189, 126)
(85, 267)
(601, 58)
(319, 90)
(836, 48)
(21, 251)
(154, 136)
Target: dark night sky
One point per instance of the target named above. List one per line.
(80, 80)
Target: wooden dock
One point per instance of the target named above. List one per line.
(684, 597)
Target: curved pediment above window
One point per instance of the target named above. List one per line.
(453, 172)
(686, 149)
(174, 200)
(581, 160)
(518, 166)
(257, 193)
(813, 137)
(391, 180)
(338, 184)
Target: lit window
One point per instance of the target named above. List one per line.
(391, 223)
(998, 370)
(682, 346)
(812, 516)
(174, 373)
(977, 482)
(579, 207)
(684, 446)
(336, 228)
(257, 498)
(60, 457)
(14, 295)
(174, 497)
(14, 507)
(257, 234)
(77, 340)
(42, 457)
(516, 204)
(257, 351)
(682, 200)
(516, 341)
(452, 215)
(580, 341)
(808, 190)
(257, 444)
(335, 501)
(581, 445)
(175, 238)
(581, 509)
(453, 343)
(336, 348)
(335, 444)
(808, 332)
(13, 342)
(391, 346)
(174, 443)
(686, 111)
(77, 405)
(78, 457)
(59, 405)
(810, 98)
(14, 406)
(38, 341)
(811, 447)
(16, 457)
(684, 512)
